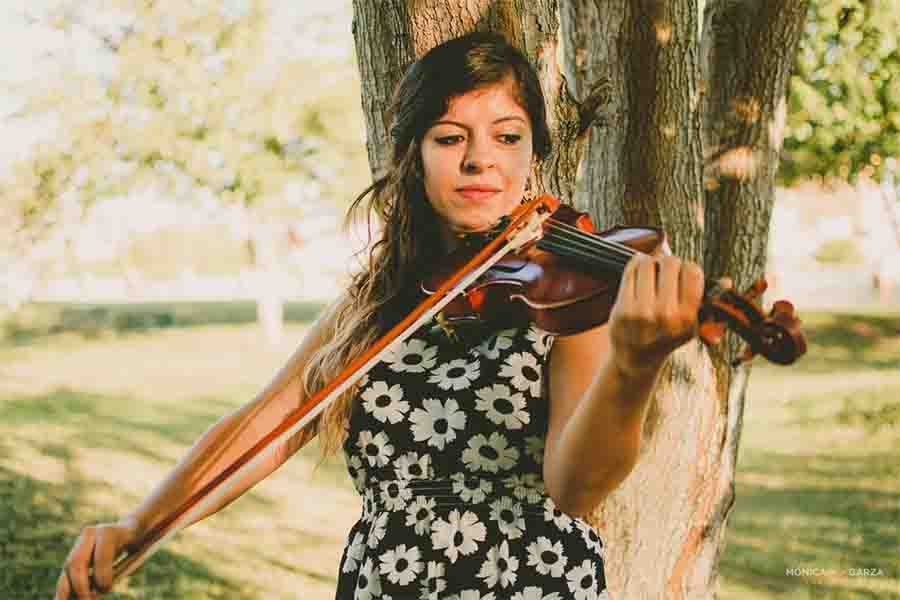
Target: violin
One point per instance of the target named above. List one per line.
(567, 281)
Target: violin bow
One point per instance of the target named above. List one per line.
(525, 225)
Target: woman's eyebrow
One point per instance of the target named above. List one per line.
(462, 126)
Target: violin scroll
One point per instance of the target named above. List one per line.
(775, 336)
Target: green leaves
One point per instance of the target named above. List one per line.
(844, 98)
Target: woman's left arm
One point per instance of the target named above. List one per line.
(600, 381)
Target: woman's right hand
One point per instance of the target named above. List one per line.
(97, 547)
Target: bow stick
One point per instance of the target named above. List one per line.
(525, 226)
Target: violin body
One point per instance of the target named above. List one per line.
(567, 281)
(562, 295)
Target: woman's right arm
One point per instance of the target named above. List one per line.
(217, 448)
(234, 434)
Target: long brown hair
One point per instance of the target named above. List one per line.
(381, 294)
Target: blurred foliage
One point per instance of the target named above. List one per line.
(168, 252)
(839, 251)
(200, 103)
(844, 106)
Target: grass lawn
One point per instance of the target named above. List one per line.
(88, 425)
(818, 476)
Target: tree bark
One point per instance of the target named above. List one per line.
(667, 113)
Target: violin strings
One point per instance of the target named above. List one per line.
(594, 242)
(565, 244)
(594, 239)
(588, 241)
(565, 247)
(565, 238)
(588, 257)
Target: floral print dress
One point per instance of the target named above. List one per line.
(446, 445)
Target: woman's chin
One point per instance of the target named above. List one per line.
(474, 228)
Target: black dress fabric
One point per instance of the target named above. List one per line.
(445, 445)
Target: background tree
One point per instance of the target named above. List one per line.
(668, 113)
(844, 112)
(191, 102)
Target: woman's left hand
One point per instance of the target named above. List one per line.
(655, 311)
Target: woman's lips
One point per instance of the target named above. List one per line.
(477, 193)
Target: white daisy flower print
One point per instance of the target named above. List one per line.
(502, 406)
(562, 521)
(355, 553)
(368, 585)
(434, 580)
(499, 568)
(489, 454)
(581, 581)
(385, 403)
(454, 452)
(509, 518)
(369, 508)
(458, 535)
(589, 534)
(420, 514)
(412, 466)
(401, 565)
(471, 595)
(534, 448)
(394, 494)
(471, 489)
(535, 593)
(376, 448)
(458, 374)
(524, 371)
(438, 423)
(357, 473)
(412, 356)
(378, 529)
(494, 345)
(527, 486)
(540, 339)
(546, 557)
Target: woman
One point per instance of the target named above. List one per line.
(470, 456)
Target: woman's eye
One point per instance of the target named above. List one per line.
(447, 140)
(510, 138)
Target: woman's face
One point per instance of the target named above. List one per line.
(476, 159)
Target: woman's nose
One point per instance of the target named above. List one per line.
(477, 158)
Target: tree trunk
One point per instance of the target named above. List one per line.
(264, 271)
(667, 113)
